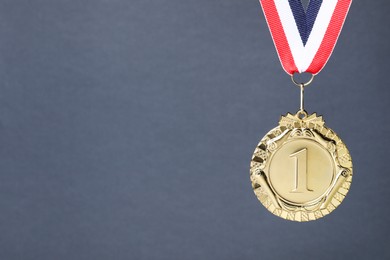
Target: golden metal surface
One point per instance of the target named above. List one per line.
(301, 170)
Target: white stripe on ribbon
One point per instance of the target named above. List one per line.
(304, 55)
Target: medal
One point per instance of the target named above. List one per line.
(301, 170)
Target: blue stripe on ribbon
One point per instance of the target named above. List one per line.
(305, 20)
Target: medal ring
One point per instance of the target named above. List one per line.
(302, 84)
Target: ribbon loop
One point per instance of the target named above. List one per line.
(305, 40)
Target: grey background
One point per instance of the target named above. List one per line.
(127, 128)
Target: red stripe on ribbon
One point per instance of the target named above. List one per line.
(332, 33)
(278, 36)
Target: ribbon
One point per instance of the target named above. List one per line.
(305, 40)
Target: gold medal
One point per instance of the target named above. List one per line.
(301, 170)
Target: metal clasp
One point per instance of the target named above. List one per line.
(302, 114)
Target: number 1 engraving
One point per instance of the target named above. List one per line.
(300, 184)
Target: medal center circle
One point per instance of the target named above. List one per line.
(301, 171)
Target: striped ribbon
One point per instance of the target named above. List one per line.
(303, 39)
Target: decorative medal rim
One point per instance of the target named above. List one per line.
(267, 147)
